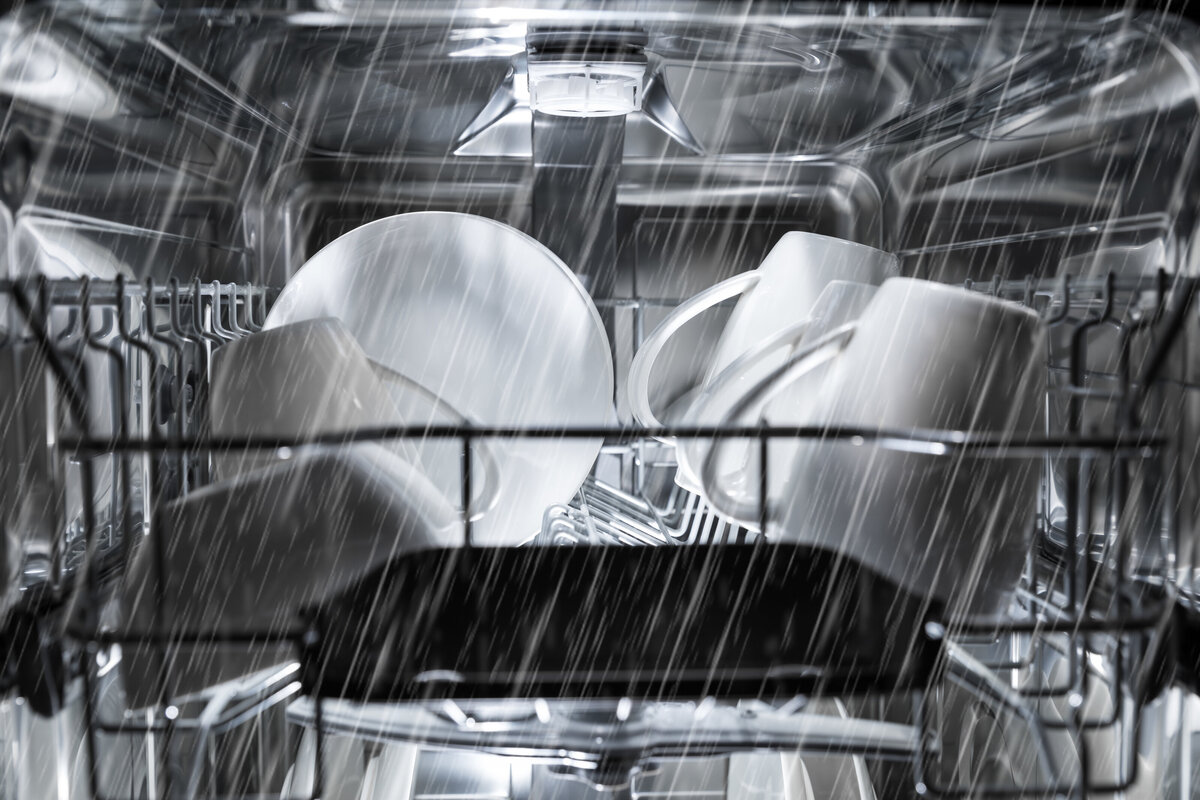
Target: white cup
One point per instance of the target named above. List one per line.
(312, 378)
(923, 356)
(490, 322)
(841, 303)
(251, 552)
(774, 297)
(300, 380)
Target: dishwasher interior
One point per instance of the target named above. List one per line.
(166, 169)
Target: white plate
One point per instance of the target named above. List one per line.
(491, 322)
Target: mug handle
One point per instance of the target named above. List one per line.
(688, 477)
(828, 347)
(643, 361)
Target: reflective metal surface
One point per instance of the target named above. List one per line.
(203, 140)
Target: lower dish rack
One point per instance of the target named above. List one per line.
(640, 644)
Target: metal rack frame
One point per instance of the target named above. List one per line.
(1076, 599)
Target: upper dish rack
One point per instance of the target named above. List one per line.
(1100, 600)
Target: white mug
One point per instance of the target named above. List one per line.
(312, 378)
(923, 356)
(840, 303)
(253, 551)
(300, 380)
(774, 297)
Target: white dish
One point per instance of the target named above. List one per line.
(251, 552)
(489, 321)
(835, 777)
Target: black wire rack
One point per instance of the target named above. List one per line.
(1105, 594)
